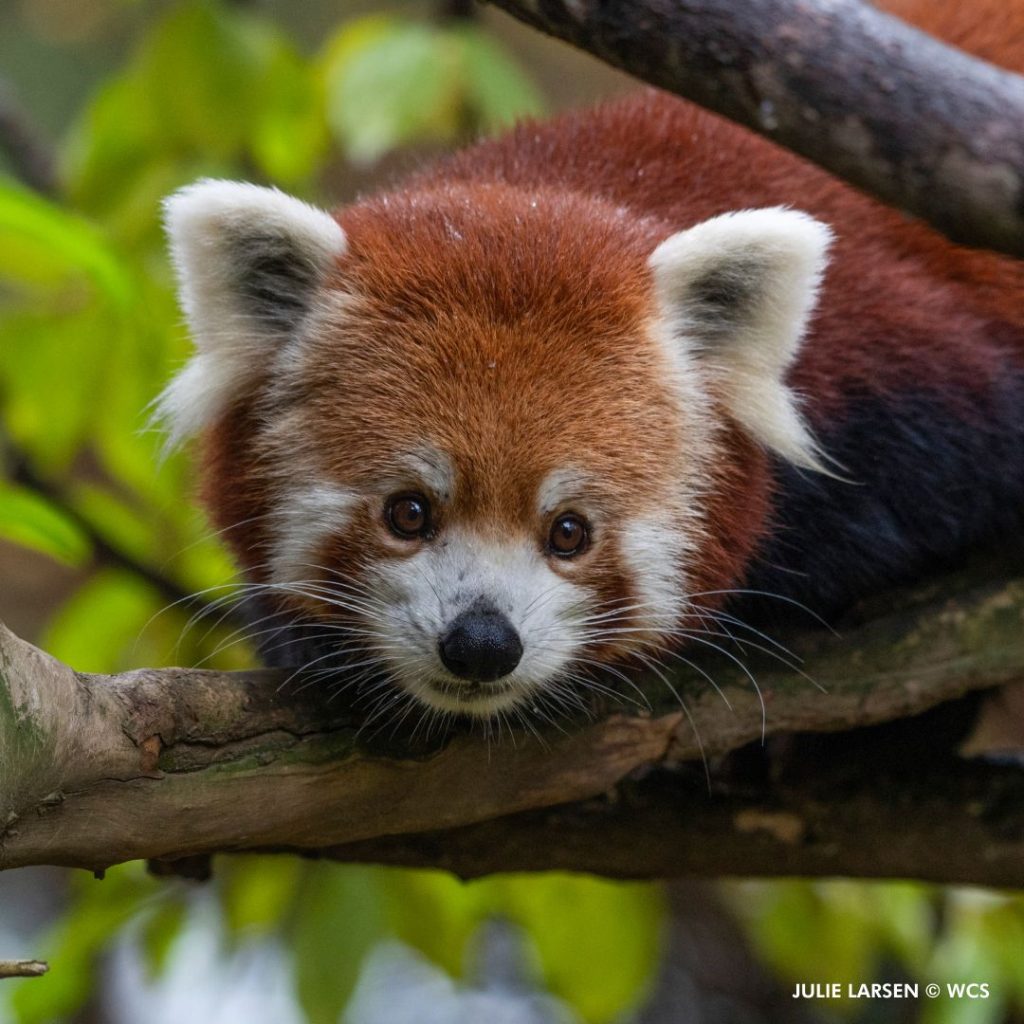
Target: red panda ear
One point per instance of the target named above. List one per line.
(249, 261)
(736, 292)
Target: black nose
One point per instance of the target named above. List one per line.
(481, 645)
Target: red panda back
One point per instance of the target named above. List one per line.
(893, 281)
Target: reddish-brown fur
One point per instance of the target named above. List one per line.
(502, 239)
(526, 382)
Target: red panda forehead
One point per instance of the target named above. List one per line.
(503, 254)
(516, 349)
(502, 409)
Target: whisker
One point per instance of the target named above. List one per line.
(689, 717)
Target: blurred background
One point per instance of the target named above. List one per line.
(105, 107)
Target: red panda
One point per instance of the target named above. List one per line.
(550, 403)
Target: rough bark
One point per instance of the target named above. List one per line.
(177, 763)
(23, 968)
(858, 807)
(916, 123)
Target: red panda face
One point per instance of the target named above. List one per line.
(473, 432)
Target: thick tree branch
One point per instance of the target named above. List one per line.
(917, 124)
(166, 764)
(849, 805)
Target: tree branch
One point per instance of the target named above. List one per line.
(916, 123)
(30, 157)
(178, 763)
(21, 471)
(23, 968)
(849, 805)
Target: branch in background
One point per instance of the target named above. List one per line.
(20, 471)
(916, 123)
(456, 10)
(34, 163)
(710, 972)
(31, 159)
(23, 968)
(168, 764)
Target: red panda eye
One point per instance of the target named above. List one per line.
(569, 536)
(408, 515)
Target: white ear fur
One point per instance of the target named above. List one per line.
(248, 261)
(737, 291)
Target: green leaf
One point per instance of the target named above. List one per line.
(337, 921)
(158, 934)
(599, 942)
(811, 932)
(199, 66)
(100, 629)
(904, 916)
(600, 970)
(496, 86)
(211, 90)
(972, 948)
(41, 243)
(72, 302)
(48, 410)
(112, 144)
(257, 893)
(400, 83)
(130, 528)
(436, 913)
(289, 136)
(391, 83)
(1004, 928)
(29, 520)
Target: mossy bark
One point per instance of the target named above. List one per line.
(176, 763)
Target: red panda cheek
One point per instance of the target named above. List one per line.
(639, 579)
(603, 576)
(365, 542)
(237, 498)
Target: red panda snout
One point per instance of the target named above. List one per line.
(471, 616)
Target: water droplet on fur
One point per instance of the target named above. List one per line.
(766, 112)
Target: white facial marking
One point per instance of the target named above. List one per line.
(427, 591)
(654, 552)
(248, 260)
(737, 290)
(560, 488)
(425, 468)
(305, 518)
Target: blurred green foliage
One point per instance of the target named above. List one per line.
(87, 314)
(596, 942)
(860, 932)
(89, 333)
